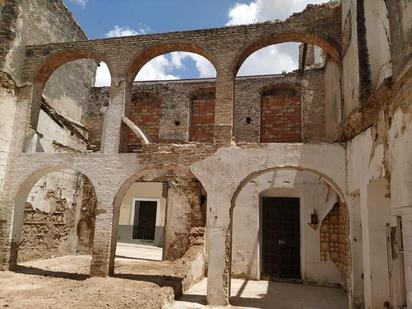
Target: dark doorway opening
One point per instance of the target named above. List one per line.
(280, 238)
(144, 224)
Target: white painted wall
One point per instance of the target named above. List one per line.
(378, 38)
(313, 194)
(150, 190)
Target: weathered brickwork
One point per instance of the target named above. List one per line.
(281, 117)
(145, 112)
(176, 108)
(334, 240)
(202, 118)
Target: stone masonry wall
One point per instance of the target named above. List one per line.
(177, 98)
(41, 22)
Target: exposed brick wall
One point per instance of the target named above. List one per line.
(202, 118)
(280, 117)
(334, 241)
(145, 112)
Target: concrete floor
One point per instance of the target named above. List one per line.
(267, 295)
(139, 251)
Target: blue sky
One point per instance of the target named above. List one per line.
(109, 18)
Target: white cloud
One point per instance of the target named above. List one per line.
(160, 68)
(82, 3)
(118, 31)
(103, 78)
(276, 58)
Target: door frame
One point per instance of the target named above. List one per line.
(144, 199)
(285, 194)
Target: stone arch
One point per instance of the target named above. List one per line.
(54, 62)
(158, 49)
(23, 189)
(149, 174)
(172, 176)
(309, 38)
(328, 180)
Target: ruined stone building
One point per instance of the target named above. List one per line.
(304, 175)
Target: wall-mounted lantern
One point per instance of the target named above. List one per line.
(314, 220)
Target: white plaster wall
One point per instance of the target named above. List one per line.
(333, 97)
(313, 194)
(63, 186)
(378, 38)
(400, 159)
(51, 132)
(142, 190)
(153, 190)
(350, 62)
(7, 108)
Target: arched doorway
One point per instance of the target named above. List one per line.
(289, 225)
(54, 216)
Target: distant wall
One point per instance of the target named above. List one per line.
(179, 99)
(152, 190)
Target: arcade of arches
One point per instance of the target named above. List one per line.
(303, 176)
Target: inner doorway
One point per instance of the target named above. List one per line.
(280, 238)
(144, 224)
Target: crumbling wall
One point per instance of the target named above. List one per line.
(333, 98)
(186, 209)
(47, 231)
(177, 98)
(400, 16)
(334, 241)
(54, 207)
(350, 62)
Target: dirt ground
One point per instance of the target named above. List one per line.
(63, 282)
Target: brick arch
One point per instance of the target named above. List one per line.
(23, 189)
(295, 87)
(203, 91)
(45, 71)
(329, 47)
(55, 61)
(148, 174)
(257, 173)
(159, 49)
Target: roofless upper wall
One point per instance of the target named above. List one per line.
(226, 48)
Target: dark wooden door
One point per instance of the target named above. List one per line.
(280, 238)
(144, 226)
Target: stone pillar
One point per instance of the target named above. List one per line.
(100, 266)
(356, 296)
(375, 214)
(11, 208)
(225, 85)
(219, 252)
(113, 117)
